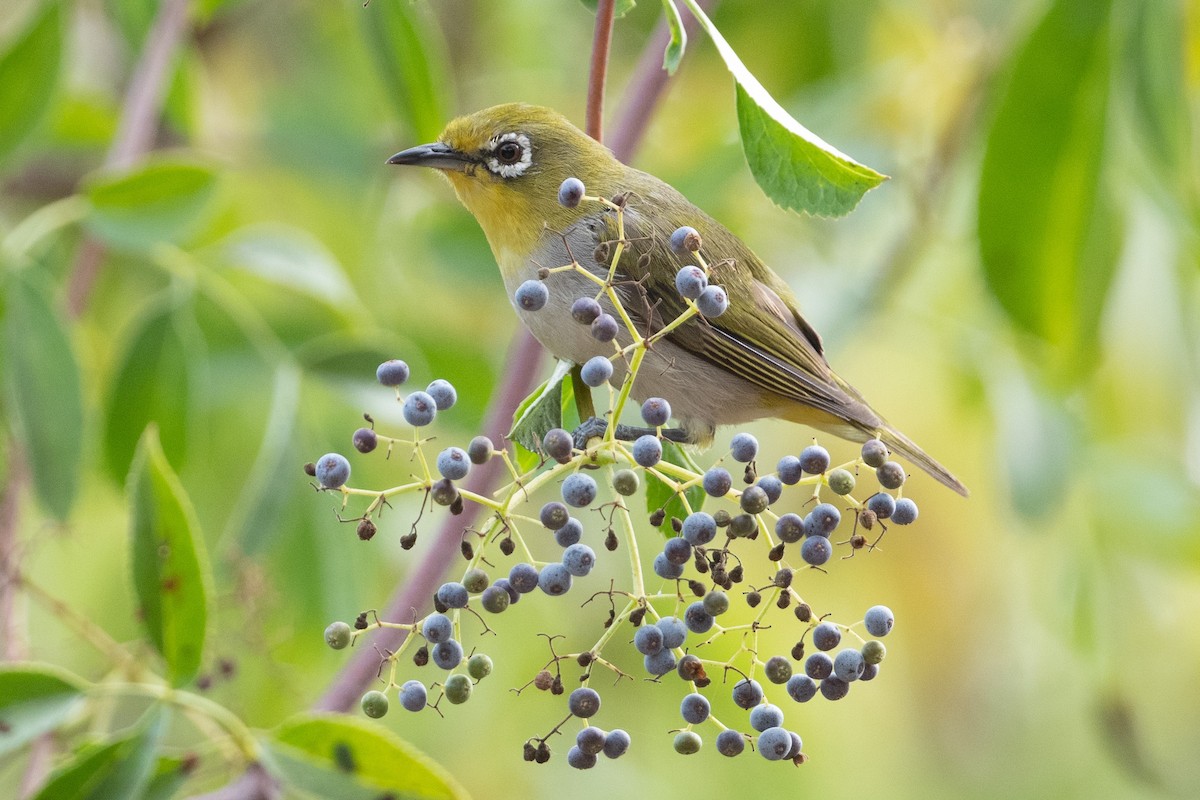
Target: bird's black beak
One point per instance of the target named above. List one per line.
(436, 155)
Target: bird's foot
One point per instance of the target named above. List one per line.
(594, 427)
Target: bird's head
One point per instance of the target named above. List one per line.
(506, 164)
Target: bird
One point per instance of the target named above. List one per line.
(759, 359)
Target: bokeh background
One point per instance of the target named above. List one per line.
(1021, 298)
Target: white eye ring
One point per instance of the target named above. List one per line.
(516, 168)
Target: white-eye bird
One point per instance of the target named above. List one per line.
(759, 358)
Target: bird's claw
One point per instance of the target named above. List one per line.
(588, 430)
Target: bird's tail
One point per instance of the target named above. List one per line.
(897, 442)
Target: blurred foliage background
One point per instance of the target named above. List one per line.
(1021, 298)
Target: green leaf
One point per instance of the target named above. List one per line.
(660, 495)
(794, 167)
(159, 201)
(335, 756)
(620, 7)
(168, 776)
(155, 382)
(121, 768)
(1046, 234)
(170, 565)
(44, 390)
(29, 71)
(540, 411)
(674, 52)
(34, 699)
(289, 257)
(411, 68)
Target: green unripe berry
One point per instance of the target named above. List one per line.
(841, 481)
(480, 666)
(873, 652)
(374, 704)
(716, 603)
(337, 635)
(476, 580)
(457, 688)
(688, 742)
(625, 482)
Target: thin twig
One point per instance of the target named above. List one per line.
(598, 75)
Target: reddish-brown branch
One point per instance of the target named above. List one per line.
(598, 76)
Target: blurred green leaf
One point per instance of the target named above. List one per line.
(660, 495)
(44, 389)
(167, 777)
(412, 70)
(158, 201)
(155, 383)
(29, 71)
(540, 411)
(794, 167)
(620, 7)
(118, 769)
(34, 699)
(674, 52)
(170, 565)
(289, 257)
(334, 756)
(132, 18)
(1046, 235)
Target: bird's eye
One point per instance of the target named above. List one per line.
(508, 152)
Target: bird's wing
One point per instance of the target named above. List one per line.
(785, 358)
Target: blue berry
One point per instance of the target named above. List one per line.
(523, 577)
(797, 745)
(531, 295)
(495, 599)
(834, 688)
(392, 373)
(656, 411)
(685, 240)
(774, 744)
(579, 759)
(789, 470)
(554, 579)
(816, 550)
(874, 453)
(879, 621)
(743, 447)
(447, 654)
(590, 740)
(801, 688)
(730, 743)
(585, 310)
(826, 636)
(712, 302)
(419, 409)
(570, 192)
(579, 559)
(848, 665)
(453, 463)
(772, 486)
(665, 569)
(870, 672)
(616, 743)
(480, 450)
(647, 450)
(569, 534)
(905, 512)
(890, 474)
(453, 594)
(747, 693)
(413, 695)
(660, 663)
(558, 444)
(717, 482)
(777, 669)
(584, 702)
(506, 585)
(648, 640)
(699, 528)
(823, 520)
(579, 490)
(437, 628)
(678, 550)
(688, 743)
(674, 631)
(697, 619)
(695, 708)
(596, 372)
(789, 528)
(554, 515)
(605, 328)
(882, 504)
(443, 394)
(754, 500)
(818, 666)
(365, 440)
(691, 282)
(765, 716)
(333, 470)
(814, 459)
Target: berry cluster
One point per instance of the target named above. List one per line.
(740, 551)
